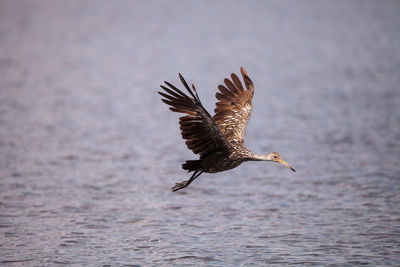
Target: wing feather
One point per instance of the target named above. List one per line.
(198, 128)
(234, 107)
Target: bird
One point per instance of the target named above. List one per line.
(218, 139)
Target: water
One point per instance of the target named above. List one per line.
(88, 152)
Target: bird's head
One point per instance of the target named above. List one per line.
(274, 156)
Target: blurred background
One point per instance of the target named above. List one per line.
(88, 152)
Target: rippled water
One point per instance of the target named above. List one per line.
(88, 152)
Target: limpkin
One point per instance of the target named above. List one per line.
(218, 139)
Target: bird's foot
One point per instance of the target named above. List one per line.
(179, 186)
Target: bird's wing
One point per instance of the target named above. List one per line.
(234, 107)
(198, 128)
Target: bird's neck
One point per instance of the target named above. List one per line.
(261, 157)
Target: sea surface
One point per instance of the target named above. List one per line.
(88, 152)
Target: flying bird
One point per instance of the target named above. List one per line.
(217, 139)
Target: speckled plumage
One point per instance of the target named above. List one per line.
(219, 139)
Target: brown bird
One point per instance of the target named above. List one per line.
(219, 139)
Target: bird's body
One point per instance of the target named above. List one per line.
(219, 140)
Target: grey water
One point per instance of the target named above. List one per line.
(88, 152)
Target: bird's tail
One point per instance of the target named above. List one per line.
(192, 165)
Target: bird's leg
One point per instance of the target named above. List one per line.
(184, 184)
(193, 177)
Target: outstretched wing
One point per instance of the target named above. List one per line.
(234, 107)
(198, 128)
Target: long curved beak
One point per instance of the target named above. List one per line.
(286, 164)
